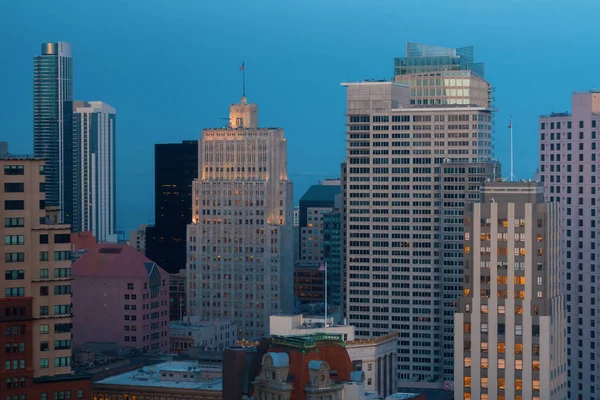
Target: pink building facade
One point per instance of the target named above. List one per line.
(122, 298)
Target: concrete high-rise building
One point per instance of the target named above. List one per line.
(510, 325)
(568, 167)
(53, 122)
(94, 169)
(316, 202)
(440, 75)
(3, 149)
(240, 262)
(36, 304)
(175, 168)
(408, 173)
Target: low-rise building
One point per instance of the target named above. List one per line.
(123, 297)
(375, 357)
(205, 335)
(309, 367)
(168, 381)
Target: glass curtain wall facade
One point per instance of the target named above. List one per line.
(53, 122)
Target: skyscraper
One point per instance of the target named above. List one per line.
(53, 122)
(94, 169)
(409, 172)
(569, 170)
(240, 262)
(175, 168)
(36, 299)
(510, 324)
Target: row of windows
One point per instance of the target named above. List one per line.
(19, 257)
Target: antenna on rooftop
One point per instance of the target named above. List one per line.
(511, 177)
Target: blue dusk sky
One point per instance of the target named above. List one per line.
(171, 68)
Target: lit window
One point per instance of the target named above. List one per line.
(484, 363)
(467, 362)
(467, 381)
(484, 383)
(519, 365)
(501, 363)
(501, 383)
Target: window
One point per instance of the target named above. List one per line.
(14, 170)
(62, 309)
(14, 240)
(535, 385)
(518, 364)
(467, 362)
(44, 310)
(14, 222)
(484, 363)
(518, 330)
(62, 361)
(44, 363)
(62, 255)
(44, 346)
(62, 272)
(484, 383)
(44, 272)
(14, 204)
(467, 381)
(42, 187)
(43, 396)
(44, 238)
(130, 286)
(14, 257)
(14, 274)
(14, 187)
(501, 363)
(43, 256)
(484, 328)
(62, 238)
(14, 292)
(43, 290)
(80, 393)
(43, 329)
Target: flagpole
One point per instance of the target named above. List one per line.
(325, 294)
(511, 177)
(244, 79)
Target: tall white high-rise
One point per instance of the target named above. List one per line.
(240, 255)
(510, 326)
(409, 171)
(94, 169)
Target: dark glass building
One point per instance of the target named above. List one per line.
(53, 122)
(332, 255)
(175, 168)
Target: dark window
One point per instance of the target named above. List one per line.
(62, 238)
(42, 204)
(14, 170)
(42, 170)
(14, 187)
(14, 204)
(44, 346)
(14, 274)
(42, 187)
(43, 290)
(43, 238)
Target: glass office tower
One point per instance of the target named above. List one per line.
(53, 122)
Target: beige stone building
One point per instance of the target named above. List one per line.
(37, 262)
(510, 325)
(240, 256)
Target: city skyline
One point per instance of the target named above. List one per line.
(108, 78)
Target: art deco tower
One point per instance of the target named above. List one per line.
(240, 255)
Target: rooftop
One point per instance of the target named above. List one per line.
(321, 193)
(114, 260)
(150, 376)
